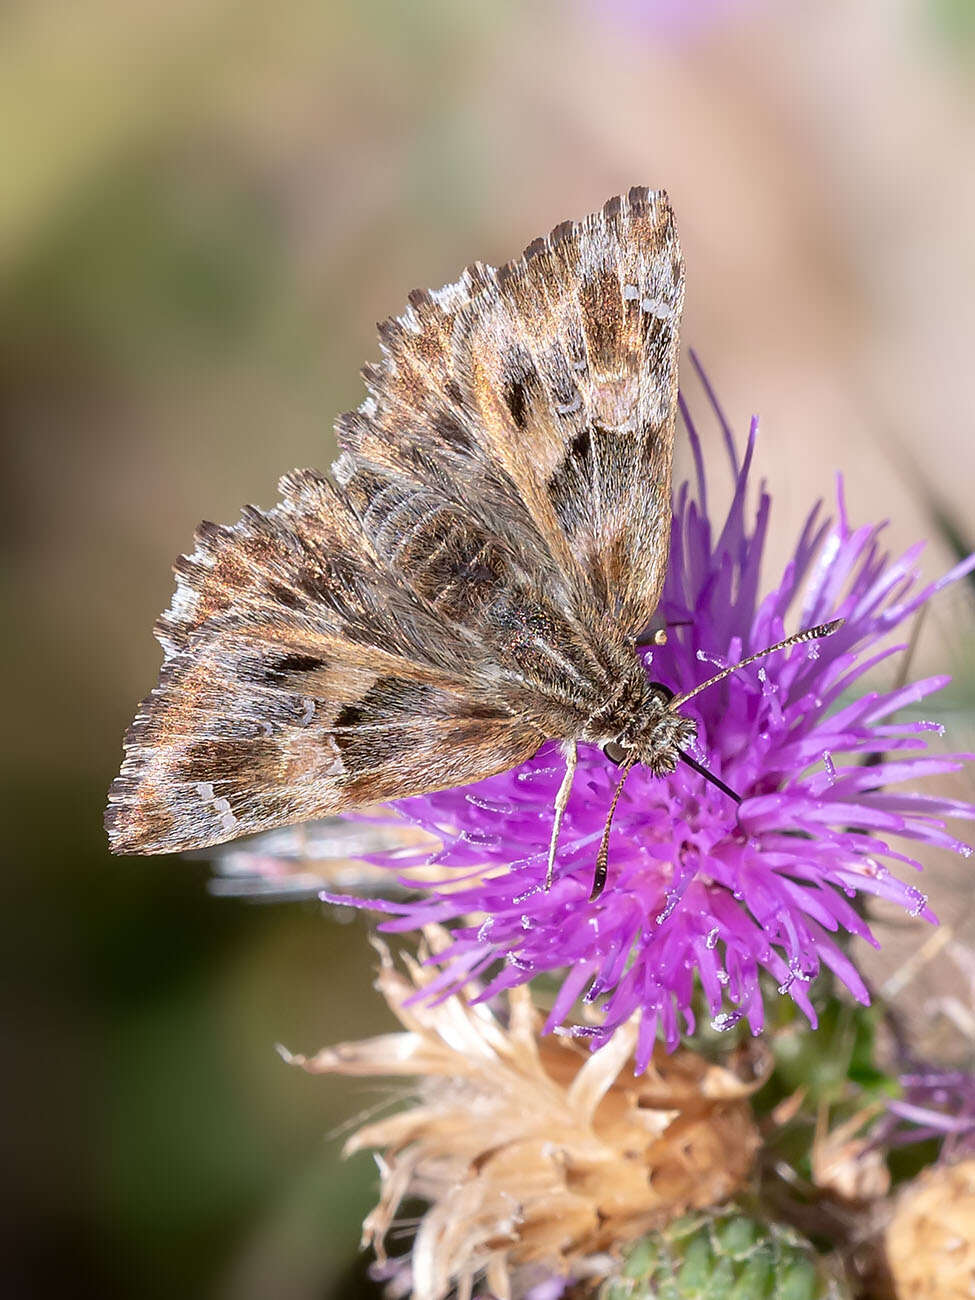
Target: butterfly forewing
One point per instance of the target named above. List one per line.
(542, 397)
(571, 364)
(497, 528)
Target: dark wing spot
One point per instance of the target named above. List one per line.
(388, 700)
(516, 400)
(451, 430)
(278, 667)
(570, 485)
(520, 379)
(394, 715)
(274, 670)
(220, 760)
(285, 595)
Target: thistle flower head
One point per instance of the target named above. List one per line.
(937, 1104)
(534, 1157)
(702, 891)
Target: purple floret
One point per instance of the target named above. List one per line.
(701, 891)
(936, 1104)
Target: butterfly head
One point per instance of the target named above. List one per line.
(651, 733)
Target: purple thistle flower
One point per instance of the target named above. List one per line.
(936, 1104)
(699, 890)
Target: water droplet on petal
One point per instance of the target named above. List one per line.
(723, 977)
(519, 962)
(712, 940)
(966, 850)
(726, 1020)
(921, 902)
(485, 929)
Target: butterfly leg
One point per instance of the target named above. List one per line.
(561, 799)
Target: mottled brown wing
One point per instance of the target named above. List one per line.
(542, 398)
(301, 681)
(431, 617)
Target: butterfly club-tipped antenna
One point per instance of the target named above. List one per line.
(807, 634)
(602, 857)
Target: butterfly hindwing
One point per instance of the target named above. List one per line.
(300, 682)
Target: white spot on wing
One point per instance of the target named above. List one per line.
(335, 767)
(219, 805)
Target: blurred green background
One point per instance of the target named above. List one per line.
(204, 207)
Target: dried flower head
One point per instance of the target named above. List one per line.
(930, 1240)
(701, 890)
(846, 1162)
(532, 1154)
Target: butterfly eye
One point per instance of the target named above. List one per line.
(615, 752)
(662, 692)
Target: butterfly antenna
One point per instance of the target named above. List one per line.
(602, 857)
(807, 634)
(709, 776)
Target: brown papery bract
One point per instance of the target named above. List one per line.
(532, 1153)
(930, 1240)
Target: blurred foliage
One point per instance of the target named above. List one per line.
(166, 1149)
(955, 22)
(204, 257)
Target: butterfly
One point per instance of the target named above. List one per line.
(472, 581)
